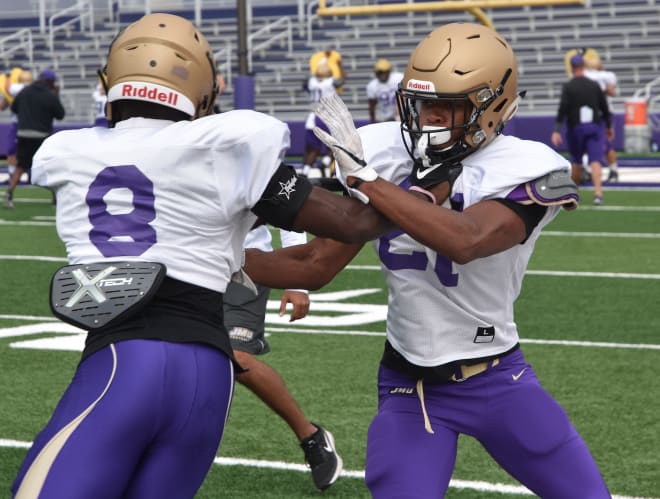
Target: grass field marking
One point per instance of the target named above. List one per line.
(613, 275)
(642, 235)
(62, 328)
(561, 273)
(572, 343)
(481, 486)
(619, 208)
(26, 222)
(58, 327)
(35, 258)
(27, 317)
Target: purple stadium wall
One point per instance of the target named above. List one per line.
(526, 127)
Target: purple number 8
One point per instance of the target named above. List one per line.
(106, 226)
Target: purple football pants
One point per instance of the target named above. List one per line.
(140, 419)
(589, 139)
(505, 408)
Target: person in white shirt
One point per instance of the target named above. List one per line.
(594, 70)
(470, 203)
(153, 213)
(100, 101)
(381, 92)
(319, 85)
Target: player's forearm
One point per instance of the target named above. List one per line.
(306, 266)
(458, 236)
(326, 214)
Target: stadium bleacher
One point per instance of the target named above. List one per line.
(626, 34)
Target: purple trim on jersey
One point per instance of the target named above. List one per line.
(457, 202)
(505, 408)
(528, 193)
(11, 138)
(102, 122)
(519, 194)
(153, 433)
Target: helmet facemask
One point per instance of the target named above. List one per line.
(425, 142)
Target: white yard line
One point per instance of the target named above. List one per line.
(283, 465)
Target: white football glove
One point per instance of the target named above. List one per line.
(344, 142)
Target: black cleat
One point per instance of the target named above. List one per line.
(613, 176)
(322, 457)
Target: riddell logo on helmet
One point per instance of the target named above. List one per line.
(424, 86)
(148, 92)
(151, 92)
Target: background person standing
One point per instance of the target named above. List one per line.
(584, 109)
(381, 92)
(36, 106)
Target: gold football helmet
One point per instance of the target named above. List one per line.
(164, 59)
(382, 66)
(460, 62)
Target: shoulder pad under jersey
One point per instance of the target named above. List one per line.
(554, 188)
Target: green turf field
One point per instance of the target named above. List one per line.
(589, 316)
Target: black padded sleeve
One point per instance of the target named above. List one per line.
(284, 196)
(531, 214)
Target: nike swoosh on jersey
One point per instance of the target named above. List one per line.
(423, 173)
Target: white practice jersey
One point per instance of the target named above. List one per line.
(440, 311)
(317, 88)
(385, 94)
(603, 78)
(155, 190)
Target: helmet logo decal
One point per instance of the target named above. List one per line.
(423, 85)
(151, 92)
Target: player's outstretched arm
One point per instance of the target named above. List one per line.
(482, 230)
(338, 217)
(308, 266)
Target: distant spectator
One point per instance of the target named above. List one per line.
(100, 100)
(584, 109)
(333, 60)
(36, 106)
(607, 80)
(321, 84)
(381, 92)
(12, 83)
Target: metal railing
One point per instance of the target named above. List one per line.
(286, 34)
(85, 11)
(224, 67)
(21, 40)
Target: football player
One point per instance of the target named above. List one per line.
(594, 70)
(163, 198)
(381, 92)
(470, 204)
(321, 84)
